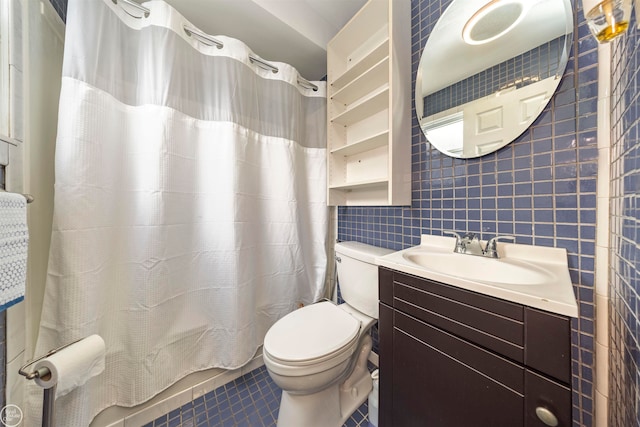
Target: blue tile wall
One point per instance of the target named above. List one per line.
(530, 67)
(624, 282)
(540, 188)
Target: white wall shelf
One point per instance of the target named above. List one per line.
(369, 108)
(379, 140)
(361, 184)
(366, 82)
(378, 53)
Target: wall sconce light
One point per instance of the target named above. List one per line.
(607, 19)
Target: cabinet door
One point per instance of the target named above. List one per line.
(440, 380)
(548, 403)
(548, 344)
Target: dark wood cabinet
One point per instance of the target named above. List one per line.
(454, 358)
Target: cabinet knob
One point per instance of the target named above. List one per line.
(546, 416)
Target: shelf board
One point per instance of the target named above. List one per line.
(376, 54)
(366, 107)
(368, 81)
(379, 182)
(363, 145)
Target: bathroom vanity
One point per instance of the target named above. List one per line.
(453, 355)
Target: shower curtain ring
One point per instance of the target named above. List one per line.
(135, 5)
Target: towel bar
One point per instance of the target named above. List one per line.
(29, 197)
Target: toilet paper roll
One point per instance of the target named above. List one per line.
(72, 366)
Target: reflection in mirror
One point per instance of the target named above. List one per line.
(488, 70)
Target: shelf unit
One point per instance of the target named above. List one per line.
(364, 107)
(369, 107)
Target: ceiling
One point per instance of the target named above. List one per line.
(291, 31)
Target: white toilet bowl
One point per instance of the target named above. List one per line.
(318, 354)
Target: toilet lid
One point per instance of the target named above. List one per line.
(310, 333)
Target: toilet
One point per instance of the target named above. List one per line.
(318, 354)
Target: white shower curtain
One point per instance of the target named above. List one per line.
(190, 204)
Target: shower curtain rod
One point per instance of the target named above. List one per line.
(264, 64)
(190, 31)
(210, 41)
(135, 5)
(306, 84)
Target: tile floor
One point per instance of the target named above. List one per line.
(252, 400)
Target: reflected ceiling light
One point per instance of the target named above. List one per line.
(493, 20)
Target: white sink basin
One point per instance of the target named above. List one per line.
(534, 276)
(482, 269)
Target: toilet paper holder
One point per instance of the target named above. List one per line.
(42, 372)
(49, 393)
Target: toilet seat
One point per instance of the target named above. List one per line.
(317, 337)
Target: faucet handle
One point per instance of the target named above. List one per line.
(460, 246)
(491, 250)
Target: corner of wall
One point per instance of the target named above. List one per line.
(602, 237)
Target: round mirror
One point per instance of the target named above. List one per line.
(488, 70)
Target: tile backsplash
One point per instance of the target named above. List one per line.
(541, 188)
(624, 279)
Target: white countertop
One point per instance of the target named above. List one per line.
(554, 293)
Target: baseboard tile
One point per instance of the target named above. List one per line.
(226, 377)
(183, 397)
(159, 409)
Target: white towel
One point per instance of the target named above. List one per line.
(14, 244)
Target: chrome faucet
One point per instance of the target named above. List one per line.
(470, 244)
(459, 246)
(467, 244)
(491, 250)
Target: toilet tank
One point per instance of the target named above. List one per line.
(358, 275)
